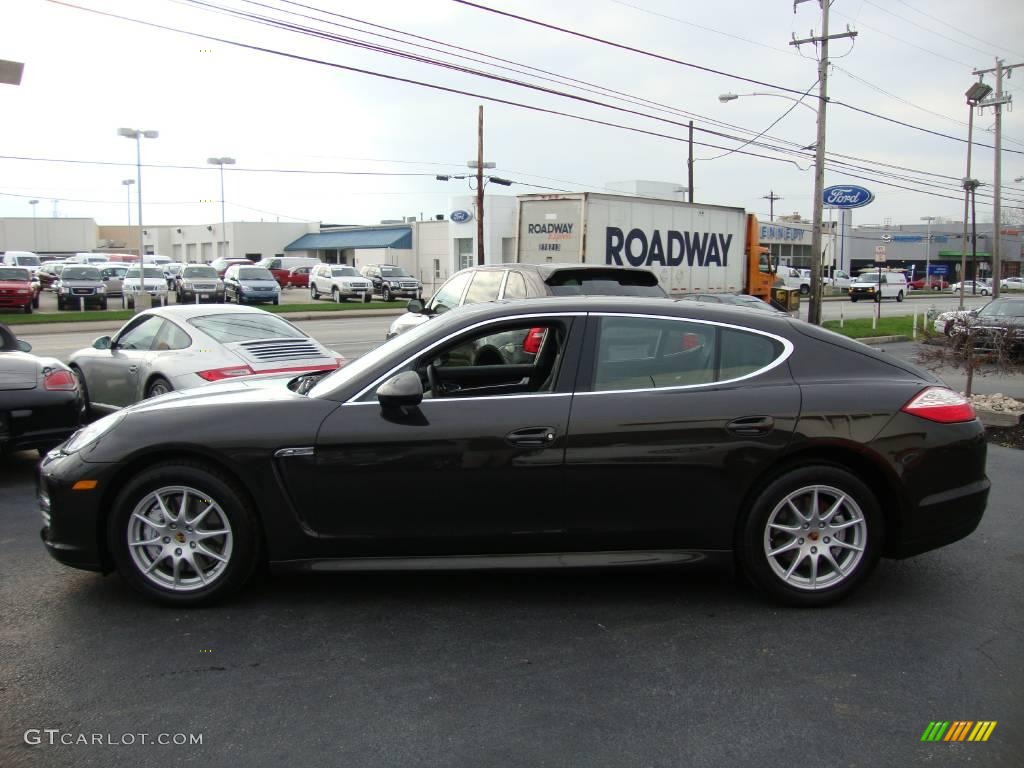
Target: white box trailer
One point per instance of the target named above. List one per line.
(691, 247)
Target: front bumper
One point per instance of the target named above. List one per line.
(73, 522)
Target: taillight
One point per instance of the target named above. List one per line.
(60, 381)
(940, 404)
(534, 338)
(219, 374)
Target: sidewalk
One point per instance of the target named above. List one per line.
(40, 329)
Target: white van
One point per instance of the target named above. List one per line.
(26, 259)
(876, 286)
(88, 258)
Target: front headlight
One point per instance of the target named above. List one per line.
(62, 289)
(102, 289)
(86, 436)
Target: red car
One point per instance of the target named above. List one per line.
(221, 265)
(937, 284)
(18, 290)
(296, 278)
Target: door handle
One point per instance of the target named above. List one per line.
(531, 436)
(751, 426)
(133, 369)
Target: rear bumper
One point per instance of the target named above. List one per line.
(40, 421)
(941, 519)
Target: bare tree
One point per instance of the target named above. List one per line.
(975, 350)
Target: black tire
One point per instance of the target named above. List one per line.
(60, 305)
(158, 385)
(277, 301)
(853, 299)
(385, 294)
(103, 304)
(84, 389)
(131, 303)
(211, 485)
(35, 301)
(878, 297)
(755, 536)
(899, 296)
(27, 309)
(314, 294)
(367, 298)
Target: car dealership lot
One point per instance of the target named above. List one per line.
(561, 668)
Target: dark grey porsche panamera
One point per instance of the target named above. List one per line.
(630, 431)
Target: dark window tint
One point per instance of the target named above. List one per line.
(642, 353)
(515, 286)
(595, 282)
(243, 326)
(484, 287)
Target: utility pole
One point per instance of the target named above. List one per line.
(771, 197)
(814, 307)
(928, 253)
(996, 102)
(975, 94)
(689, 168)
(480, 186)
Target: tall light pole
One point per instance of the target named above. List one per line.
(128, 186)
(35, 238)
(221, 162)
(928, 251)
(974, 95)
(138, 134)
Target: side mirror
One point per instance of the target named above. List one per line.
(415, 306)
(103, 342)
(24, 346)
(973, 313)
(403, 389)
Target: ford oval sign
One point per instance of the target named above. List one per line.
(461, 217)
(846, 196)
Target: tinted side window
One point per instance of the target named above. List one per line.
(484, 287)
(641, 353)
(515, 286)
(448, 295)
(141, 336)
(171, 337)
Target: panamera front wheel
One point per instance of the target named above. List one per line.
(812, 536)
(181, 535)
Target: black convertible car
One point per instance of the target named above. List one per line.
(631, 432)
(40, 403)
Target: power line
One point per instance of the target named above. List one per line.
(904, 41)
(926, 29)
(962, 32)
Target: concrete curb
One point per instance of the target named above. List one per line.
(999, 418)
(40, 329)
(872, 340)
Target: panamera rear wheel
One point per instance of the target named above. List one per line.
(181, 535)
(812, 536)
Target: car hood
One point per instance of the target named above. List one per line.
(81, 283)
(259, 283)
(407, 322)
(15, 284)
(149, 282)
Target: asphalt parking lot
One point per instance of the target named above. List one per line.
(678, 668)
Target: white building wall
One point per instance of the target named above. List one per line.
(499, 225)
(48, 235)
(430, 257)
(205, 241)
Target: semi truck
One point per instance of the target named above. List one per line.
(692, 247)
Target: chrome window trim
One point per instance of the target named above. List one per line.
(376, 382)
(787, 350)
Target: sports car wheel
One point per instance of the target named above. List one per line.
(812, 536)
(84, 389)
(158, 386)
(180, 533)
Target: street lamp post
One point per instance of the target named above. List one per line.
(974, 95)
(928, 252)
(138, 134)
(128, 186)
(221, 162)
(35, 237)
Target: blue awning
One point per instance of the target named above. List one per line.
(389, 237)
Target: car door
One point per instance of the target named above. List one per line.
(671, 421)
(112, 375)
(476, 467)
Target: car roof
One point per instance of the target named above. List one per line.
(181, 312)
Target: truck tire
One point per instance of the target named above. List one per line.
(899, 296)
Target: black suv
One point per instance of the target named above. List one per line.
(80, 285)
(391, 282)
(527, 281)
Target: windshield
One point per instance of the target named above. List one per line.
(334, 381)
(344, 272)
(14, 273)
(149, 273)
(254, 273)
(1003, 308)
(27, 261)
(80, 273)
(246, 326)
(571, 282)
(394, 272)
(199, 272)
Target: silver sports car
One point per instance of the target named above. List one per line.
(188, 345)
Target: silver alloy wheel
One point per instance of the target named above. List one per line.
(159, 388)
(179, 538)
(815, 537)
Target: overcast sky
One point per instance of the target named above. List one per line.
(86, 75)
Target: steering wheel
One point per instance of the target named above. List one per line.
(435, 385)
